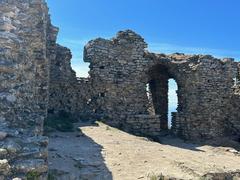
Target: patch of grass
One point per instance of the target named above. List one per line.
(153, 176)
(108, 128)
(51, 176)
(32, 175)
(62, 122)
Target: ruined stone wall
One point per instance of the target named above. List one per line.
(116, 91)
(120, 69)
(234, 117)
(67, 93)
(234, 113)
(26, 42)
(204, 90)
(36, 77)
(119, 82)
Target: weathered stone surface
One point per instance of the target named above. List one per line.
(3, 153)
(38, 140)
(4, 167)
(12, 147)
(3, 135)
(27, 44)
(35, 165)
(121, 68)
(67, 93)
(128, 86)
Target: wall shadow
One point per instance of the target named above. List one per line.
(180, 143)
(168, 139)
(77, 155)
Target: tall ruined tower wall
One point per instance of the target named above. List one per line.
(27, 44)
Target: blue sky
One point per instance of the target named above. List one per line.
(168, 26)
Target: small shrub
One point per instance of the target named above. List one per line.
(32, 175)
(155, 177)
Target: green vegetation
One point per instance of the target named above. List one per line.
(33, 175)
(62, 122)
(155, 177)
(51, 176)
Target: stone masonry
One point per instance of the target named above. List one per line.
(27, 43)
(121, 68)
(67, 93)
(127, 88)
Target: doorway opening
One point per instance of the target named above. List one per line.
(162, 87)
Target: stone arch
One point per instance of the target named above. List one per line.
(158, 77)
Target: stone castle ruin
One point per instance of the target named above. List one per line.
(127, 88)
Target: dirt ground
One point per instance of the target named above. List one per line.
(99, 152)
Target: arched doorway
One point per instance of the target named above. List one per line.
(162, 87)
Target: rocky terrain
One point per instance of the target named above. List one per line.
(100, 152)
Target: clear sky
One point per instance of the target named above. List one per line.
(189, 26)
(168, 26)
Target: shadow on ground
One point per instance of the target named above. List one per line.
(73, 155)
(176, 142)
(167, 138)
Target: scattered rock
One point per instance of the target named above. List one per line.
(232, 151)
